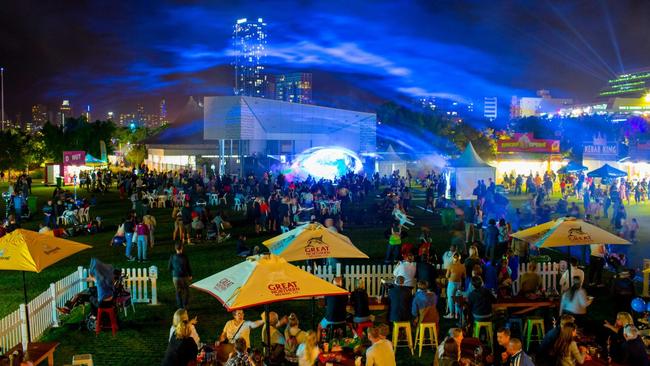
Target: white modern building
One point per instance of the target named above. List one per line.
(228, 129)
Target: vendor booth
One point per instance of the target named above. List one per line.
(470, 168)
(74, 162)
(526, 155)
(390, 162)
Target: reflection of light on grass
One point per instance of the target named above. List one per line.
(326, 162)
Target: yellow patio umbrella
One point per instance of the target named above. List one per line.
(29, 251)
(567, 232)
(312, 241)
(262, 280)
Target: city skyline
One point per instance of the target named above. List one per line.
(358, 55)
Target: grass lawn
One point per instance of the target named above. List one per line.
(142, 339)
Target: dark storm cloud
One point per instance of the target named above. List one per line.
(112, 54)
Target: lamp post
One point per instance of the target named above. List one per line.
(7, 197)
(2, 97)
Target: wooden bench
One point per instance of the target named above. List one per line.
(37, 352)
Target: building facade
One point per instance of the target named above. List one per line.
(230, 129)
(39, 115)
(294, 87)
(490, 107)
(249, 43)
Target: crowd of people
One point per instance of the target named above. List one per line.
(475, 273)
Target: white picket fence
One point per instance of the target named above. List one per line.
(43, 314)
(373, 274)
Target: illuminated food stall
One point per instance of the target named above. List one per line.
(524, 154)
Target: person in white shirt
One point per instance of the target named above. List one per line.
(406, 269)
(448, 257)
(239, 328)
(575, 302)
(565, 284)
(381, 352)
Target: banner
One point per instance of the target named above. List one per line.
(77, 158)
(524, 142)
(600, 152)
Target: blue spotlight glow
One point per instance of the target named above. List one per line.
(325, 162)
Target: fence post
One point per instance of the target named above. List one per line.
(646, 278)
(82, 279)
(55, 315)
(23, 326)
(153, 277)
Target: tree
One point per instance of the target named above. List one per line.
(77, 135)
(136, 154)
(13, 149)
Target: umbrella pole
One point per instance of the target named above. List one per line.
(568, 258)
(267, 320)
(26, 310)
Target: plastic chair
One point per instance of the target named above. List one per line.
(224, 199)
(538, 324)
(214, 199)
(238, 205)
(407, 328)
(112, 316)
(420, 336)
(360, 327)
(487, 325)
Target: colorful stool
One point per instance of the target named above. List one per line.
(407, 328)
(534, 328)
(420, 336)
(487, 325)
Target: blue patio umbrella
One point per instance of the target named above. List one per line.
(572, 167)
(606, 171)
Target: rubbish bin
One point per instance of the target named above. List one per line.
(31, 204)
(59, 182)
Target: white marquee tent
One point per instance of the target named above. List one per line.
(469, 169)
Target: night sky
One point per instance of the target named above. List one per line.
(114, 54)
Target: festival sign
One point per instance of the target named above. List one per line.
(525, 142)
(76, 158)
(600, 149)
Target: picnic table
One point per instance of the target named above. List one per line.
(523, 305)
(37, 352)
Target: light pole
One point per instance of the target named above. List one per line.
(2, 97)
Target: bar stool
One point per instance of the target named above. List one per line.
(110, 311)
(420, 336)
(487, 325)
(407, 328)
(85, 359)
(537, 323)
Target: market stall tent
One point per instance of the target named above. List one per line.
(390, 162)
(470, 168)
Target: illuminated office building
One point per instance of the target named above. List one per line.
(39, 115)
(163, 113)
(294, 88)
(631, 85)
(249, 41)
(65, 112)
(490, 108)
